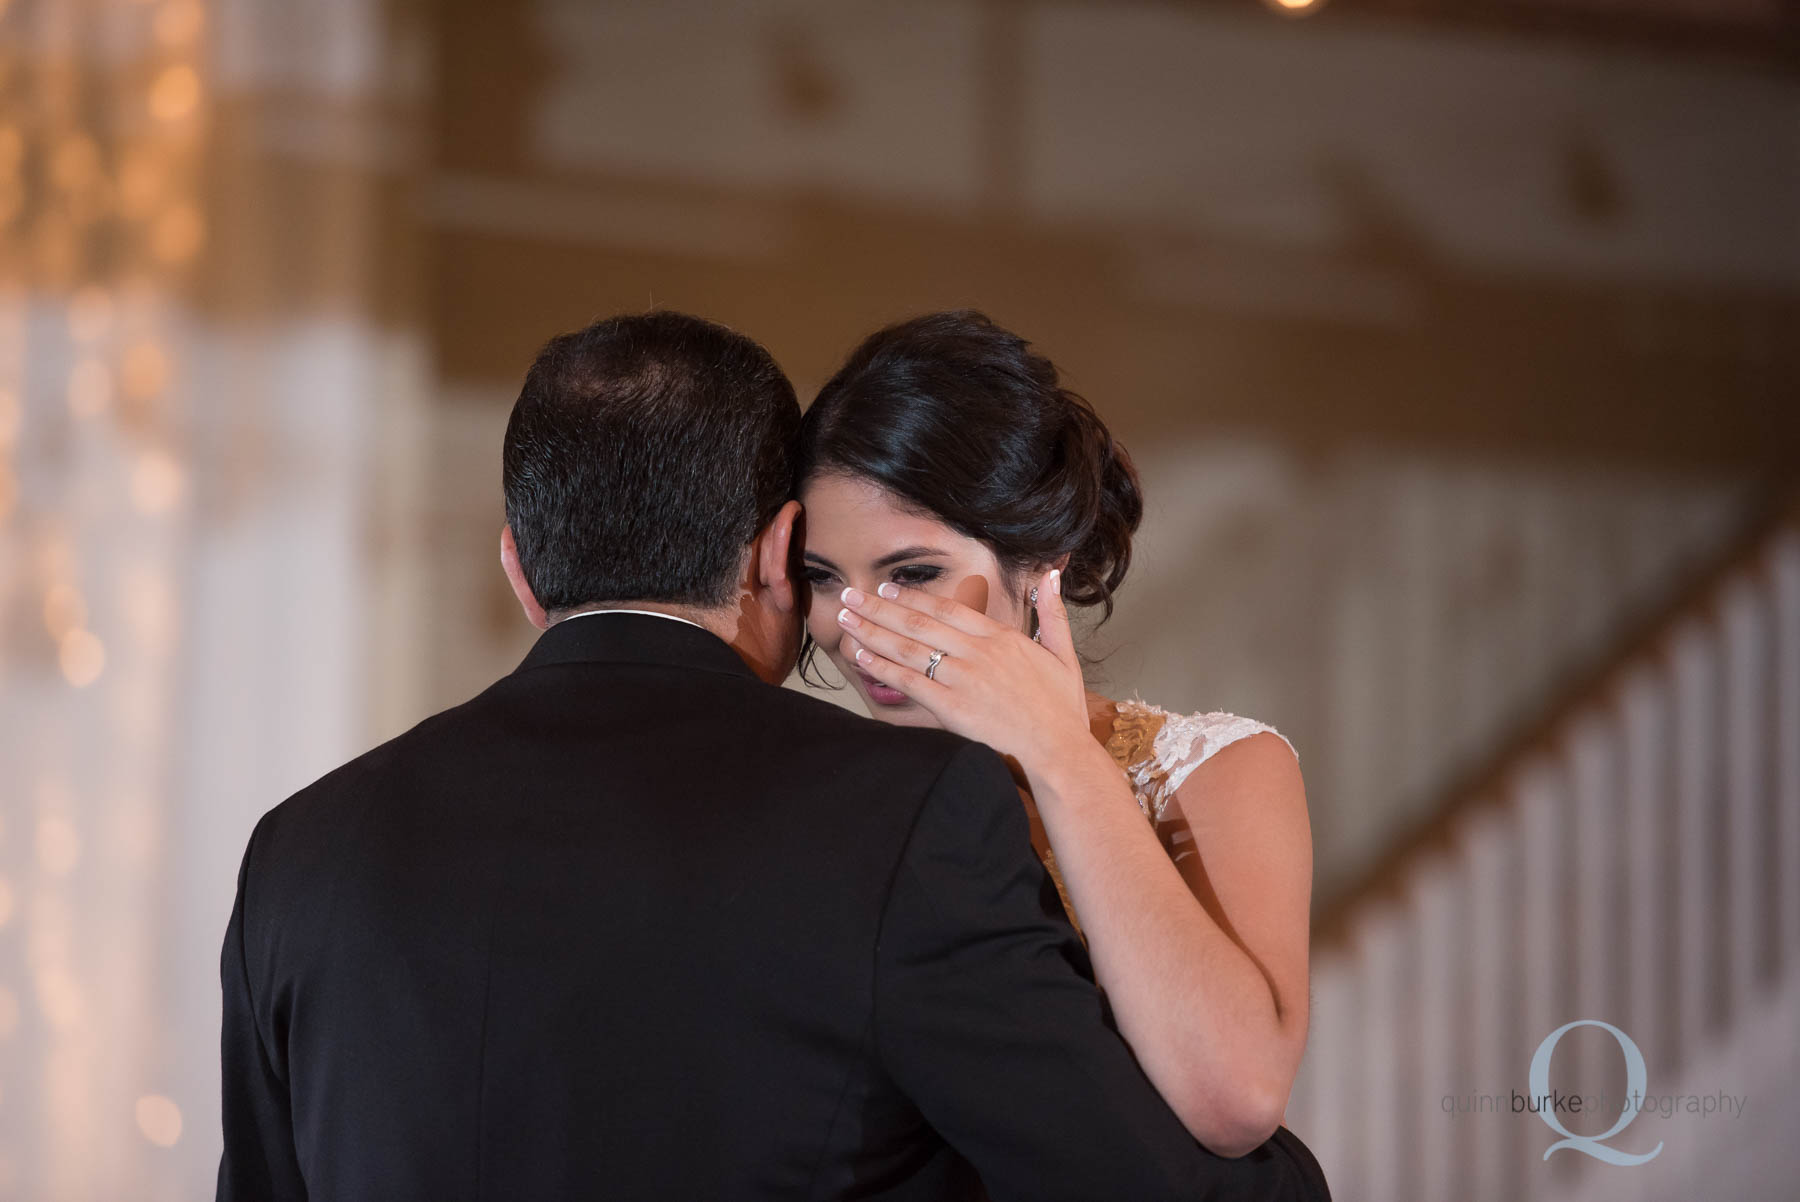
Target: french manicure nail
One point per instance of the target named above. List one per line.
(890, 590)
(846, 618)
(851, 596)
(1056, 581)
(863, 656)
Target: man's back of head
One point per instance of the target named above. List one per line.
(645, 455)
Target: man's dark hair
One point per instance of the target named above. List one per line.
(642, 456)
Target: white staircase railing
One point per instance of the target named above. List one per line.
(1640, 866)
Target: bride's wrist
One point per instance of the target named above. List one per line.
(1069, 767)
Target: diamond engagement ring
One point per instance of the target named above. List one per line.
(937, 657)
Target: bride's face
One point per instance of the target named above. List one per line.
(859, 536)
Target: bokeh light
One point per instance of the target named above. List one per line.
(82, 657)
(159, 1119)
(175, 93)
(157, 482)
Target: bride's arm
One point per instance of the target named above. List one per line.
(1205, 960)
(1211, 997)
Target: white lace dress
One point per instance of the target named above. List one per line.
(1157, 751)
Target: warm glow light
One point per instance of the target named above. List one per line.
(65, 610)
(1295, 8)
(177, 235)
(58, 845)
(159, 1119)
(145, 372)
(90, 388)
(83, 658)
(175, 93)
(9, 1013)
(178, 21)
(157, 482)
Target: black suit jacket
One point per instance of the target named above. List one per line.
(634, 924)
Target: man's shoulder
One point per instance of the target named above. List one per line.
(448, 734)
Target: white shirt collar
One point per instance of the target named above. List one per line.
(588, 613)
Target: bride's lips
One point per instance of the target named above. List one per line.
(879, 693)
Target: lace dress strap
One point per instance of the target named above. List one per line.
(1158, 750)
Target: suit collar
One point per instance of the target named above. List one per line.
(624, 638)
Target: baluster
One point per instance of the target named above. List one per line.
(1747, 717)
(1541, 801)
(1695, 662)
(1491, 853)
(1785, 568)
(1646, 823)
(1386, 1050)
(1439, 910)
(1593, 920)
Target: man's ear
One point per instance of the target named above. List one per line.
(774, 568)
(515, 576)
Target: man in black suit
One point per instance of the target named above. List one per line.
(637, 923)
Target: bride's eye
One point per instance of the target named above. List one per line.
(917, 573)
(815, 577)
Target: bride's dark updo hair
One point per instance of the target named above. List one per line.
(959, 418)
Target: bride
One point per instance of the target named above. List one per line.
(955, 498)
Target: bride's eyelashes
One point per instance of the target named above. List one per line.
(913, 573)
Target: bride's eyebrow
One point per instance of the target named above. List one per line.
(893, 557)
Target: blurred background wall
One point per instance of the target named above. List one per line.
(1456, 344)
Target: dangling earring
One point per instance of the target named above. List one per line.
(1036, 630)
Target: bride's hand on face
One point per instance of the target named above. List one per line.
(994, 684)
